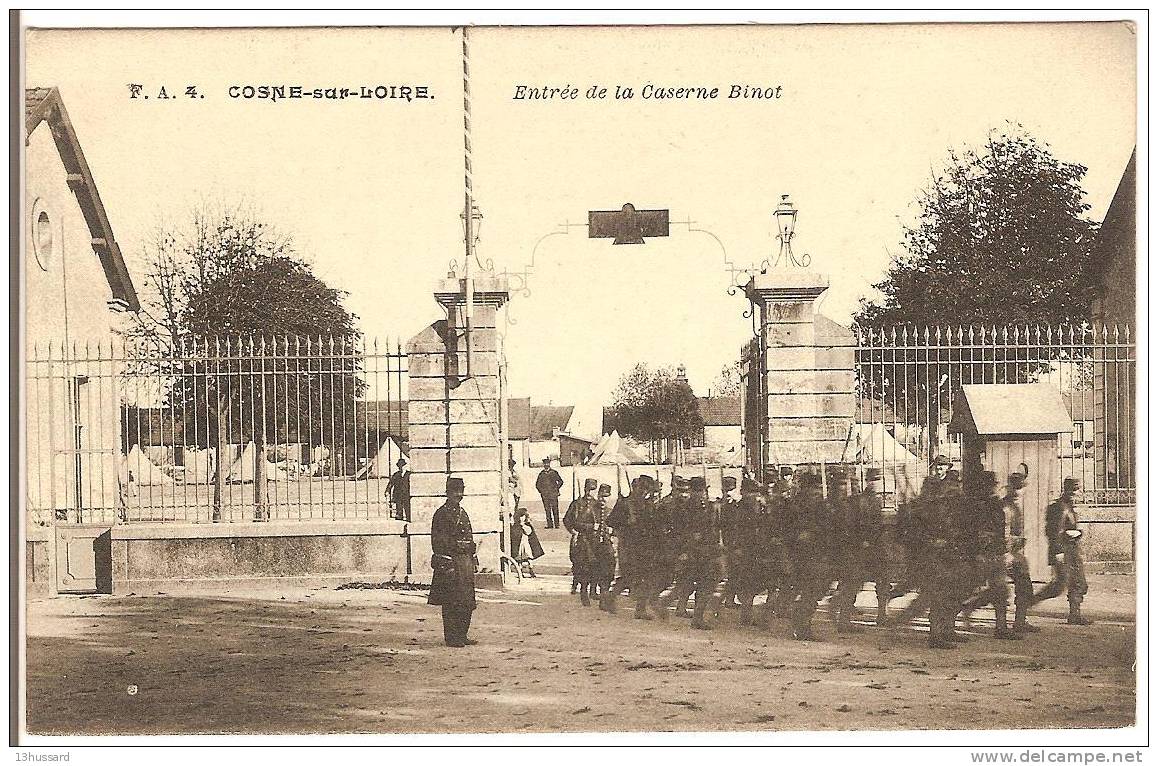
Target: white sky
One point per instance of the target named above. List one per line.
(371, 191)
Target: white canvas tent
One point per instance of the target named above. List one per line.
(612, 450)
(199, 465)
(381, 466)
(872, 444)
(244, 468)
(142, 471)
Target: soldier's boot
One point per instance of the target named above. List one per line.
(1076, 615)
(607, 601)
(703, 604)
(1002, 629)
(882, 614)
(951, 630)
(939, 632)
(1020, 623)
(584, 599)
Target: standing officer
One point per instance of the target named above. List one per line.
(1065, 554)
(548, 483)
(454, 562)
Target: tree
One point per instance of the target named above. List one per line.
(654, 405)
(1001, 237)
(729, 382)
(261, 343)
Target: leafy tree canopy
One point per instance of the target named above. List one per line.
(1001, 238)
(650, 405)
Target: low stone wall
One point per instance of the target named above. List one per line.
(38, 570)
(172, 556)
(1109, 543)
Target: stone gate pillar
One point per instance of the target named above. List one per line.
(454, 421)
(809, 366)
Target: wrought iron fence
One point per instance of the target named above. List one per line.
(224, 429)
(909, 388)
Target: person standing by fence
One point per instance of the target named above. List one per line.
(548, 483)
(398, 490)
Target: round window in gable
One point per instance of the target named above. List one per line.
(42, 244)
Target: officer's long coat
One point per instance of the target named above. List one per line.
(451, 535)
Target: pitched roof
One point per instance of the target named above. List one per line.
(1021, 408)
(1115, 242)
(45, 105)
(547, 420)
(719, 410)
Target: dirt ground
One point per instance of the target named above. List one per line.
(328, 660)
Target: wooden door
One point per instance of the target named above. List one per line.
(1038, 458)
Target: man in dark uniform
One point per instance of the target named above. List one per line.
(859, 533)
(627, 523)
(810, 527)
(938, 557)
(909, 537)
(604, 564)
(548, 483)
(773, 561)
(743, 540)
(1065, 554)
(671, 511)
(992, 549)
(1017, 564)
(581, 520)
(453, 561)
(700, 570)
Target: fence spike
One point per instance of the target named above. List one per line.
(1115, 332)
(971, 336)
(1127, 335)
(926, 335)
(937, 335)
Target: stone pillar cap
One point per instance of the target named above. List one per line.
(796, 286)
(489, 289)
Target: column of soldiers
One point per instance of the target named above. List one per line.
(802, 533)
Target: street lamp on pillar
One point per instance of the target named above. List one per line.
(785, 215)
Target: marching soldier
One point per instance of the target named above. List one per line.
(580, 520)
(604, 548)
(773, 559)
(910, 536)
(810, 526)
(938, 557)
(650, 517)
(703, 568)
(454, 563)
(744, 538)
(1065, 554)
(1013, 514)
(992, 550)
(859, 524)
(626, 522)
(670, 511)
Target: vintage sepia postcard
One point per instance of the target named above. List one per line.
(774, 381)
